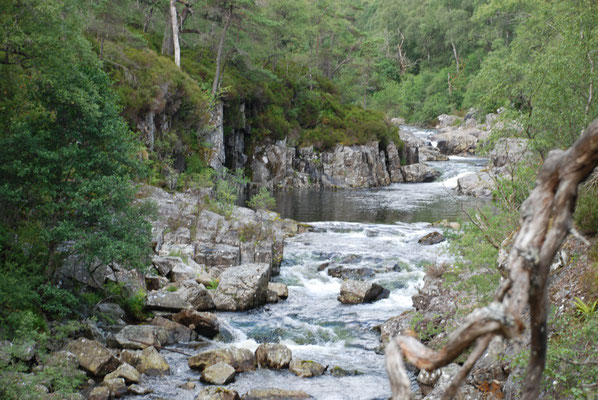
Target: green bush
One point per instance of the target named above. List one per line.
(56, 302)
(262, 200)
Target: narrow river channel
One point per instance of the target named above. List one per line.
(373, 232)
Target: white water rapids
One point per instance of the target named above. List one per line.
(375, 229)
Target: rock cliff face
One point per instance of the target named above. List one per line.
(282, 167)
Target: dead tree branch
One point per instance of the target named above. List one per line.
(545, 222)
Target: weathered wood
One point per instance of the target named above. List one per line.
(545, 222)
(175, 33)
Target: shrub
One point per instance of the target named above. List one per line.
(263, 200)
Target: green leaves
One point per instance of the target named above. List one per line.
(67, 158)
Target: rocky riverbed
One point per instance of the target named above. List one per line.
(256, 306)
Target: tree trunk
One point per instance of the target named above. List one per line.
(175, 33)
(591, 86)
(148, 19)
(216, 83)
(455, 55)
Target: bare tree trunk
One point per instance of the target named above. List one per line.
(545, 222)
(175, 33)
(591, 88)
(216, 82)
(365, 88)
(148, 19)
(455, 55)
(403, 60)
(102, 46)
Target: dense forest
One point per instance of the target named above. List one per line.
(100, 96)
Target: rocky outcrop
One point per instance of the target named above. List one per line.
(480, 184)
(280, 289)
(218, 374)
(191, 241)
(125, 371)
(458, 141)
(306, 368)
(241, 360)
(214, 135)
(419, 172)
(177, 332)
(432, 238)
(242, 287)
(506, 154)
(273, 356)
(281, 167)
(93, 357)
(204, 323)
(195, 297)
(148, 361)
(356, 292)
(138, 337)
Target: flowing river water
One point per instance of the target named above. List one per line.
(373, 230)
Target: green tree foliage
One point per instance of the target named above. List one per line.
(262, 200)
(67, 157)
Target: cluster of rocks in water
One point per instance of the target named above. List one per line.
(203, 262)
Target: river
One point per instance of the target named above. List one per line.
(374, 229)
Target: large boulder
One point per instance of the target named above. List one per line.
(152, 363)
(479, 184)
(281, 290)
(204, 323)
(137, 337)
(394, 163)
(242, 287)
(457, 141)
(306, 368)
(356, 292)
(93, 357)
(241, 360)
(509, 151)
(218, 374)
(275, 394)
(419, 172)
(185, 270)
(165, 264)
(217, 255)
(197, 298)
(429, 153)
(177, 332)
(445, 120)
(149, 361)
(273, 356)
(125, 371)
(355, 166)
(432, 238)
(99, 393)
